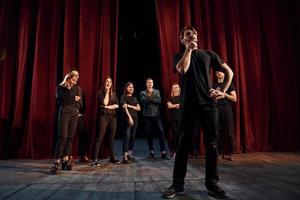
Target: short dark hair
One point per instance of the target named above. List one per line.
(148, 79)
(184, 29)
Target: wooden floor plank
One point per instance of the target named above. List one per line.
(262, 176)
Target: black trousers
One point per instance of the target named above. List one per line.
(107, 124)
(175, 126)
(83, 137)
(226, 128)
(207, 115)
(151, 124)
(67, 122)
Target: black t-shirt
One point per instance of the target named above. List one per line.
(113, 99)
(221, 86)
(197, 80)
(175, 112)
(130, 100)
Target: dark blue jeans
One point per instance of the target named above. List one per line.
(129, 134)
(152, 124)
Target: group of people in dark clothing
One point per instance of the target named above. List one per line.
(196, 100)
(71, 103)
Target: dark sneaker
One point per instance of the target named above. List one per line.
(172, 192)
(54, 169)
(64, 165)
(125, 159)
(151, 155)
(84, 159)
(130, 157)
(114, 161)
(164, 156)
(215, 191)
(95, 163)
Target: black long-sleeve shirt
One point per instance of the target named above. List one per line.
(66, 97)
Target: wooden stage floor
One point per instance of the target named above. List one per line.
(259, 176)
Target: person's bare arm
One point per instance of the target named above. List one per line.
(137, 107)
(184, 63)
(228, 74)
(114, 106)
(173, 106)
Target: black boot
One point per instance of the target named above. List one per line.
(54, 168)
(215, 191)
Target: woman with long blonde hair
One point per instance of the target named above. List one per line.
(67, 99)
(174, 107)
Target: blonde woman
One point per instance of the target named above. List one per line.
(67, 98)
(174, 108)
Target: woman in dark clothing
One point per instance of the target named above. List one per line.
(130, 107)
(173, 105)
(67, 98)
(107, 104)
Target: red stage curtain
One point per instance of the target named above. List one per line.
(258, 40)
(43, 40)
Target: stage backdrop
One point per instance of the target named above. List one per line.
(43, 39)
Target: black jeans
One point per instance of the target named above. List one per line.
(129, 134)
(67, 122)
(207, 115)
(107, 124)
(174, 125)
(151, 124)
(83, 137)
(226, 130)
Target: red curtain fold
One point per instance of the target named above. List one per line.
(8, 41)
(25, 49)
(97, 51)
(280, 23)
(38, 138)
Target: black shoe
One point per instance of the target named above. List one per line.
(114, 161)
(172, 192)
(164, 156)
(130, 157)
(125, 159)
(64, 164)
(95, 163)
(69, 164)
(84, 159)
(54, 168)
(151, 155)
(215, 191)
